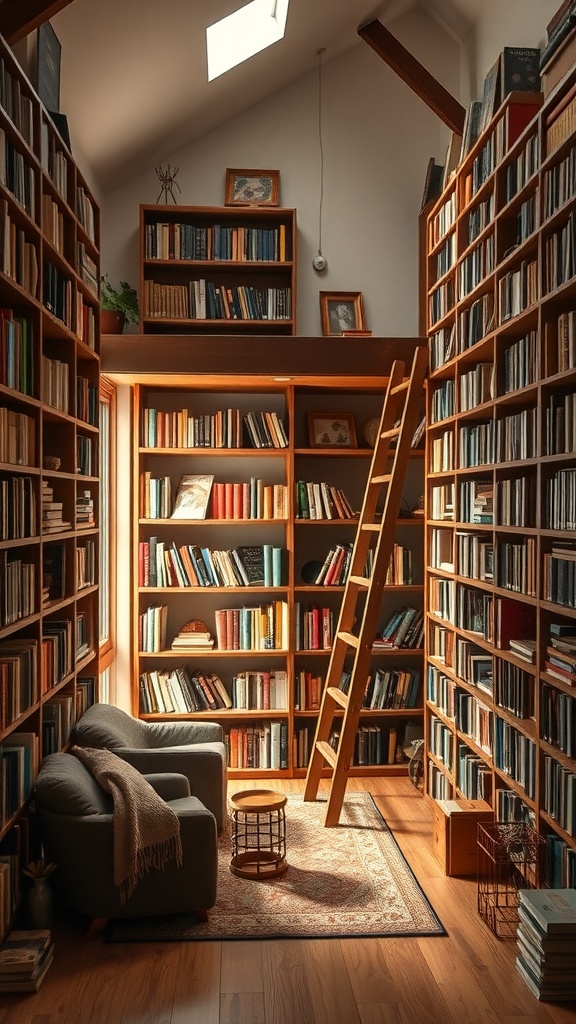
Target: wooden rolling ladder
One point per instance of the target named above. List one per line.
(360, 608)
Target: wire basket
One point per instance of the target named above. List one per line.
(510, 857)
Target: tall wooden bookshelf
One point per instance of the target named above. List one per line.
(217, 269)
(304, 612)
(49, 369)
(501, 533)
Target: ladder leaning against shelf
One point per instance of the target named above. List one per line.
(363, 592)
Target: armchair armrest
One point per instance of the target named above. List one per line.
(174, 734)
(169, 785)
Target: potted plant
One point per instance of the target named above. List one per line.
(119, 306)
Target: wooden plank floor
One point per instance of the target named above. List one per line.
(465, 977)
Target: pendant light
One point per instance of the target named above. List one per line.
(320, 262)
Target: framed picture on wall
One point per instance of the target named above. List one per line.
(252, 188)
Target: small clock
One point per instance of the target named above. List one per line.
(370, 430)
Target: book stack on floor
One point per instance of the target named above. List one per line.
(546, 938)
(25, 957)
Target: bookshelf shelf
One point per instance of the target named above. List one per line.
(49, 323)
(500, 480)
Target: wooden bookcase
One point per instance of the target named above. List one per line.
(217, 269)
(303, 544)
(500, 526)
(49, 370)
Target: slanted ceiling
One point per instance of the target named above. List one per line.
(134, 81)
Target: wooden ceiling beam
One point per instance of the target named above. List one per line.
(18, 19)
(447, 108)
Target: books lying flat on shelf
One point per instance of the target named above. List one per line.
(192, 496)
(25, 957)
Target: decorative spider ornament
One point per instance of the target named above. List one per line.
(168, 178)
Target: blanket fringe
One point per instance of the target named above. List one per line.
(151, 858)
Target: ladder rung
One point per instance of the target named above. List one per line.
(371, 527)
(328, 752)
(385, 479)
(400, 387)
(360, 581)
(393, 432)
(348, 638)
(338, 695)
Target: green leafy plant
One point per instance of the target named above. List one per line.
(123, 300)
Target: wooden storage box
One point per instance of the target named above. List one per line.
(455, 833)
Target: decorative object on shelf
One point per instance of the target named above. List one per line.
(331, 430)
(252, 188)
(122, 303)
(310, 571)
(341, 311)
(52, 462)
(167, 178)
(370, 430)
(319, 261)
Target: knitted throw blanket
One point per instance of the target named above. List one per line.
(146, 829)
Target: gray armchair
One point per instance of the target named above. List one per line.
(76, 818)
(194, 749)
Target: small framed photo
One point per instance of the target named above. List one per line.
(331, 430)
(341, 312)
(252, 188)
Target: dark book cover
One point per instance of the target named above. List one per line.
(520, 69)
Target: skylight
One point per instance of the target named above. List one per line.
(244, 33)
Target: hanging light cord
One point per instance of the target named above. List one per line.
(319, 55)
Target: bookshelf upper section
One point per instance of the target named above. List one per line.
(216, 269)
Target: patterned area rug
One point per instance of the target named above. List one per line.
(351, 880)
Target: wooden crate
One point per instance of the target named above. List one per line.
(455, 833)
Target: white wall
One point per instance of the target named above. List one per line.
(377, 139)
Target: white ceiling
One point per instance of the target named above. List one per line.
(133, 80)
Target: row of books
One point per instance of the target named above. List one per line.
(17, 438)
(227, 428)
(17, 175)
(87, 408)
(166, 565)
(321, 501)
(55, 383)
(558, 719)
(19, 759)
(19, 682)
(206, 300)
(373, 744)
(180, 241)
(249, 500)
(58, 293)
(16, 351)
(560, 425)
(388, 689)
(181, 691)
(17, 588)
(258, 628)
(559, 574)
(16, 103)
(559, 796)
(18, 517)
(404, 629)
(262, 745)
(18, 256)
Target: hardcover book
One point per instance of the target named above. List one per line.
(553, 910)
(192, 496)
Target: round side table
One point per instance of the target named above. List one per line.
(258, 834)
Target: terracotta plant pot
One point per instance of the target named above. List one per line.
(111, 322)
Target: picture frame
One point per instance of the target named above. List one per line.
(331, 430)
(341, 312)
(252, 187)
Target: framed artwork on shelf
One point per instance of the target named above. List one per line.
(331, 430)
(252, 188)
(341, 312)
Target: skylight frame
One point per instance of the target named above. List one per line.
(243, 34)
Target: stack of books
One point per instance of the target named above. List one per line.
(25, 957)
(193, 636)
(52, 521)
(546, 938)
